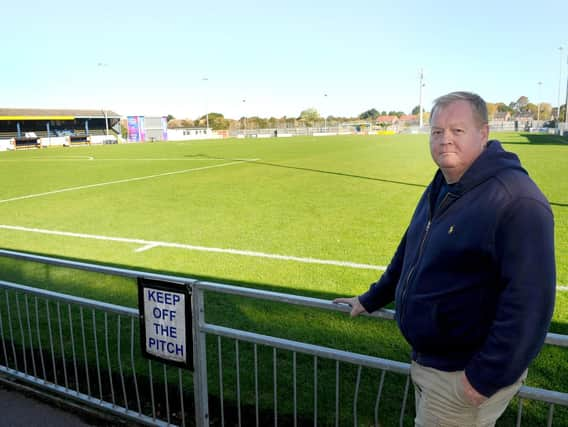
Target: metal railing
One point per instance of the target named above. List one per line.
(88, 351)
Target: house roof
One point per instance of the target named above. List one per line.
(387, 119)
(501, 115)
(524, 115)
(54, 114)
(408, 117)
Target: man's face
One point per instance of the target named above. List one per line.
(456, 139)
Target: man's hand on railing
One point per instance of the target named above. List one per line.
(353, 302)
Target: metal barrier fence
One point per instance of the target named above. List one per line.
(88, 351)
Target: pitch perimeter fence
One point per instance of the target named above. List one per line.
(88, 351)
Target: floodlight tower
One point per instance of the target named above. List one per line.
(245, 117)
(538, 106)
(420, 111)
(325, 117)
(566, 100)
(205, 79)
(104, 65)
(560, 49)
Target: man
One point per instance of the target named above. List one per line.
(473, 276)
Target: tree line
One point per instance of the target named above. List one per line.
(310, 117)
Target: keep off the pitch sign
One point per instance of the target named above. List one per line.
(165, 322)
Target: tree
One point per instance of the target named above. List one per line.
(519, 105)
(522, 103)
(533, 109)
(216, 121)
(170, 117)
(309, 116)
(545, 111)
(369, 114)
(415, 110)
(290, 122)
(503, 108)
(563, 112)
(262, 123)
(491, 109)
(396, 113)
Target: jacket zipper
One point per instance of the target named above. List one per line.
(411, 272)
(413, 268)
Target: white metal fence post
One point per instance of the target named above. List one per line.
(199, 358)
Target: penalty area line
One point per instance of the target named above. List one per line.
(120, 181)
(147, 247)
(149, 244)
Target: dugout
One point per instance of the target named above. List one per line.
(54, 126)
(29, 140)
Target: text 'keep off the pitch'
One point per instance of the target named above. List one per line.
(165, 327)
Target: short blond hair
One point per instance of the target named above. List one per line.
(478, 105)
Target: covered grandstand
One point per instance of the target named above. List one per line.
(31, 126)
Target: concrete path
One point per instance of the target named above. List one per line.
(20, 409)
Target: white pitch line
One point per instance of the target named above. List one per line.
(164, 159)
(148, 244)
(53, 158)
(201, 159)
(120, 181)
(147, 247)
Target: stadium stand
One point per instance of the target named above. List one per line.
(33, 128)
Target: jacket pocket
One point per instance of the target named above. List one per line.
(420, 326)
(461, 320)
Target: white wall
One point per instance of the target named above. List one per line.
(103, 139)
(6, 144)
(190, 134)
(53, 141)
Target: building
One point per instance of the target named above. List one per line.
(27, 127)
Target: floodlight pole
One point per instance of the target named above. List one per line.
(420, 99)
(325, 117)
(245, 117)
(538, 108)
(560, 49)
(206, 105)
(101, 65)
(566, 100)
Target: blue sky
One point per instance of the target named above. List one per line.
(279, 57)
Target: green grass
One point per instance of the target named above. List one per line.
(343, 198)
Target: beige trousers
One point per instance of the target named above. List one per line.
(440, 400)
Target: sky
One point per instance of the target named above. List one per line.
(267, 58)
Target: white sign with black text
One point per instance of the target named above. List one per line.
(166, 321)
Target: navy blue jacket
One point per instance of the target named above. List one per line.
(474, 282)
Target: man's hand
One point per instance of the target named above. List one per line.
(471, 394)
(356, 307)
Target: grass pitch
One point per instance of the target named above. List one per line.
(267, 208)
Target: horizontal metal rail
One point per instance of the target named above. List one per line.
(70, 299)
(95, 268)
(18, 328)
(80, 348)
(314, 350)
(85, 399)
(526, 392)
(551, 338)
